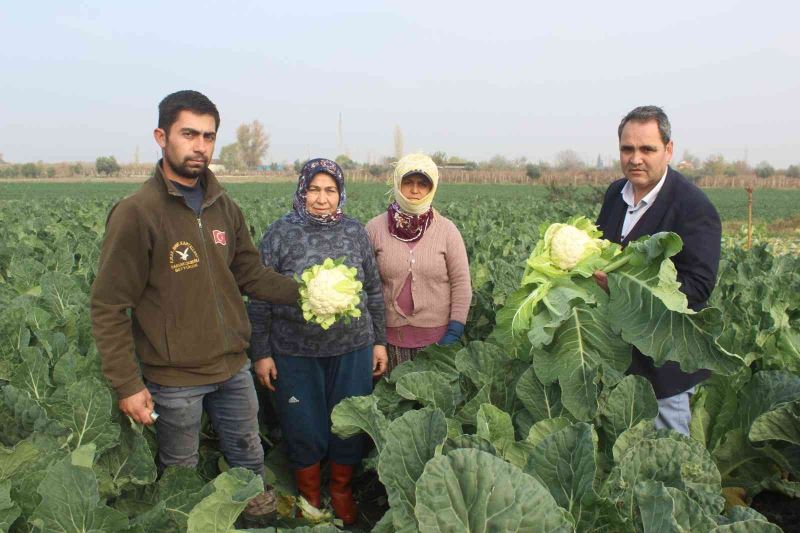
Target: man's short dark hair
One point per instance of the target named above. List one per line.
(171, 106)
(646, 113)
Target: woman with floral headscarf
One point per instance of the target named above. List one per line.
(311, 369)
(423, 264)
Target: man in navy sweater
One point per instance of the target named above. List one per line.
(652, 198)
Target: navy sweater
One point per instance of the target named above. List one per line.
(290, 248)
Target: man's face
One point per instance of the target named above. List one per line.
(189, 144)
(643, 155)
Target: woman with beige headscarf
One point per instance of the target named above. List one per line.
(422, 262)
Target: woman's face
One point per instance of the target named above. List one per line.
(322, 196)
(415, 186)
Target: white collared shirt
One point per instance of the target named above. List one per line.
(634, 212)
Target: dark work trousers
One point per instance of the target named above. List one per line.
(233, 409)
(306, 390)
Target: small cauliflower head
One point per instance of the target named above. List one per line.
(569, 245)
(328, 292)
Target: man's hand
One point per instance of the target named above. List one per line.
(266, 371)
(380, 360)
(602, 279)
(139, 407)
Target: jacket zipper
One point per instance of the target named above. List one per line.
(220, 315)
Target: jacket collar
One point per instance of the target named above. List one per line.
(213, 188)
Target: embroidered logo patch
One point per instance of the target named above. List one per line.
(293, 400)
(219, 237)
(183, 256)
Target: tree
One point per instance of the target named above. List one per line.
(229, 156)
(252, 143)
(534, 172)
(737, 168)
(376, 170)
(599, 163)
(457, 160)
(440, 158)
(519, 162)
(345, 162)
(498, 162)
(714, 165)
(30, 170)
(793, 171)
(764, 170)
(569, 160)
(106, 165)
(398, 142)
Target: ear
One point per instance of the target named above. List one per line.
(669, 149)
(161, 137)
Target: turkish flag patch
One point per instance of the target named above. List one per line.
(219, 237)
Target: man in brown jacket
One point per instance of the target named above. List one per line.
(167, 311)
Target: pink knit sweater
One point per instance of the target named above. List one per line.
(439, 268)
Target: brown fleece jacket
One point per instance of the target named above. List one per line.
(182, 278)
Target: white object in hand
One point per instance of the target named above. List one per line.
(153, 416)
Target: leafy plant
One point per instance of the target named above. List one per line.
(544, 414)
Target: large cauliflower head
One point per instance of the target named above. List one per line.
(566, 248)
(328, 292)
(569, 245)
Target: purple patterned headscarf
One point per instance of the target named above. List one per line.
(300, 214)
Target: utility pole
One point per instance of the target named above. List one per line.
(398, 142)
(340, 139)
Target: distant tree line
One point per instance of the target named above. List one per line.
(717, 165)
(249, 150)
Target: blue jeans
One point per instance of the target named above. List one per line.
(675, 413)
(232, 407)
(306, 391)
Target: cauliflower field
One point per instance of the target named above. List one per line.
(514, 430)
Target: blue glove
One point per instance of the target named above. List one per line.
(454, 331)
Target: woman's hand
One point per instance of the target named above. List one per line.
(266, 371)
(455, 330)
(379, 360)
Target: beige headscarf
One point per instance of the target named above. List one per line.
(415, 164)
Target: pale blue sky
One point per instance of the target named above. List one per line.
(82, 79)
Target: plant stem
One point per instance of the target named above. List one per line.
(617, 263)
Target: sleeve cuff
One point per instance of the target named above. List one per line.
(258, 357)
(130, 388)
(259, 349)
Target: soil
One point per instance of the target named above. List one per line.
(779, 509)
(371, 497)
